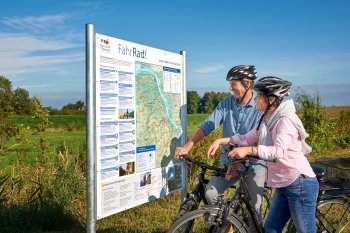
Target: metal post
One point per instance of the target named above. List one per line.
(184, 118)
(90, 127)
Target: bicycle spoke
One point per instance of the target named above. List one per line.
(333, 215)
(200, 221)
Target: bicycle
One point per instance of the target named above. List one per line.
(333, 201)
(219, 217)
(332, 213)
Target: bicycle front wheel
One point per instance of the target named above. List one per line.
(333, 215)
(205, 220)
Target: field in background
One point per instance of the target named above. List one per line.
(73, 141)
(334, 111)
(58, 122)
(46, 189)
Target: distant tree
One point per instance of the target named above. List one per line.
(192, 102)
(53, 111)
(6, 97)
(211, 99)
(76, 108)
(22, 102)
(80, 106)
(207, 102)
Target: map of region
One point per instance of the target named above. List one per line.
(158, 113)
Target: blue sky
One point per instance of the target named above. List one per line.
(42, 43)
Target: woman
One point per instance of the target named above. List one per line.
(280, 134)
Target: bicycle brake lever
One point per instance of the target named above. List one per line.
(184, 160)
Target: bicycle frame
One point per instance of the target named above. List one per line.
(242, 195)
(198, 191)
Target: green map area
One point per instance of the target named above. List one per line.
(158, 113)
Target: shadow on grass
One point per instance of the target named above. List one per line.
(37, 218)
(123, 230)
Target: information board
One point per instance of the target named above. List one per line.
(139, 95)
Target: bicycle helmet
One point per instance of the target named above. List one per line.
(271, 85)
(241, 72)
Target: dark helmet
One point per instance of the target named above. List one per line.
(271, 85)
(241, 72)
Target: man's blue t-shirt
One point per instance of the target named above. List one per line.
(235, 118)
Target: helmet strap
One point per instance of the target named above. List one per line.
(267, 98)
(246, 90)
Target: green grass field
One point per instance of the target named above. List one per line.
(46, 191)
(30, 153)
(193, 120)
(58, 123)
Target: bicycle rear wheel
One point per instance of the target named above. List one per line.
(203, 220)
(333, 215)
(265, 205)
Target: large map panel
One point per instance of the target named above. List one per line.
(158, 110)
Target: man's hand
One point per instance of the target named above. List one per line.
(180, 151)
(212, 149)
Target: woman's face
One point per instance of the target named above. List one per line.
(260, 102)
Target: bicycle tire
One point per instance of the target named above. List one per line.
(200, 223)
(187, 206)
(327, 216)
(333, 215)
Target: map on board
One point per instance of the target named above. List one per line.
(158, 104)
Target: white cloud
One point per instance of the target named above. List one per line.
(42, 24)
(208, 69)
(22, 43)
(17, 53)
(38, 44)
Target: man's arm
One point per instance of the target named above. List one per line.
(196, 137)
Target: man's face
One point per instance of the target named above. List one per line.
(237, 88)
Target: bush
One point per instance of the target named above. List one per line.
(48, 196)
(199, 152)
(322, 132)
(7, 130)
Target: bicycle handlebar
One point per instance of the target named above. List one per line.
(186, 159)
(230, 147)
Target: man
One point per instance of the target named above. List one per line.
(238, 115)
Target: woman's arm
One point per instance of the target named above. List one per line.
(250, 138)
(282, 140)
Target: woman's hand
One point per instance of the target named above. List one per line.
(239, 152)
(213, 148)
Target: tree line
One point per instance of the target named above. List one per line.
(18, 102)
(206, 104)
